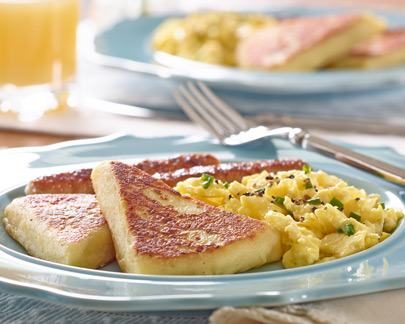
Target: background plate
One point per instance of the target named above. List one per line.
(379, 268)
(127, 45)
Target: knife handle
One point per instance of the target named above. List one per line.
(313, 143)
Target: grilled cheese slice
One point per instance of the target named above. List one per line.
(63, 228)
(306, 43)
(381, 51)
(158, 231)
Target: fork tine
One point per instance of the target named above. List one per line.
(192, 114)
(227, 125)
(208, 111)
(232, 114)
(196, 101)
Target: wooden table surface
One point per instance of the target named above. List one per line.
(9, 139)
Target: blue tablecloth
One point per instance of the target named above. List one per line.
(16, 309)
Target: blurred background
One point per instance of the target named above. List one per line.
(120, 86)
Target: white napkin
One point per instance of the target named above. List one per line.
(376, 308)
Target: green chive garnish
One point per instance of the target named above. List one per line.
(306, 168)
(308, 185)
(208, 180)
(382, 205)
(348, 229)
(315, 201)
(336, 202)
(261, 190)
(355, 216)
(205, 177)
(226, 185)
(279, 200)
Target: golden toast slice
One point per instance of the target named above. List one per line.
(158, 231)
(381, 51)
(306, 43)
(63, 228)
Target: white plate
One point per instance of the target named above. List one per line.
(379, 268)
(126, 45)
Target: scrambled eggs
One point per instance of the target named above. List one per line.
(209, 37)
(320, 217)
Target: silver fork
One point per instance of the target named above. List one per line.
(205, 108)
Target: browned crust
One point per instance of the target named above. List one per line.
(381, 44)
(74, 216)
(163, 233)
(178, 162)
(274, 46)
(79, 181)
(228, 172)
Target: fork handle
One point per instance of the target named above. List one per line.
(317, 144)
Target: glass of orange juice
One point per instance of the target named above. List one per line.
(37, 55)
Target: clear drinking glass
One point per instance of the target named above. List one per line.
(37, 56)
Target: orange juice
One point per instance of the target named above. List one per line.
(37, 41)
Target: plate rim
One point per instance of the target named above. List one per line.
(199, 300)
(252, 81)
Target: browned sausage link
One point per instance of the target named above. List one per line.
(178, 162)
(79, 181)
(228, 172)
(66, 182)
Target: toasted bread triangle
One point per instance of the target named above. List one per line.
(306, 43)
(63, 228)
(156, 230)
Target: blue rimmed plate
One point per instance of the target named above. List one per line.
(126, 45)
(379, 268)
